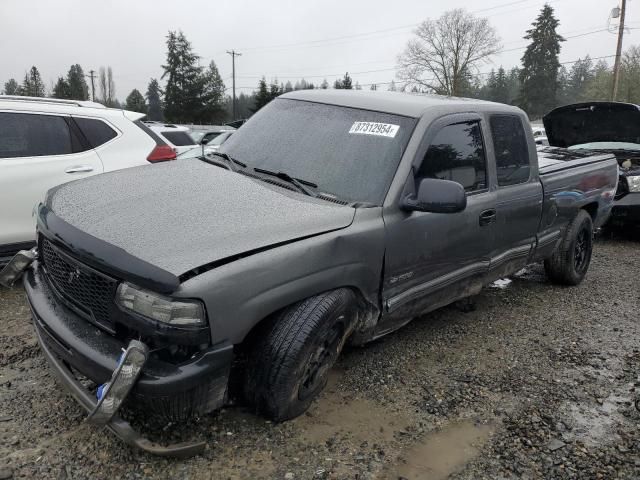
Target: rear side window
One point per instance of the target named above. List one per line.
(457, 153)
(95, 131)
(179, 139)
(512, 151)
(33, 135)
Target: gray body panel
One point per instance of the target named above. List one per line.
(181, 215)
(286, 247)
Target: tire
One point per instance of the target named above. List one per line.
(569, 263)
(290, 363)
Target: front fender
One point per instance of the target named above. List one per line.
(238, 295)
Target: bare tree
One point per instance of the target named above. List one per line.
(111, 88)
(102, 84)
(447, 51)
(107, 86)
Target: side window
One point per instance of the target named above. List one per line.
(457, 153)
(95, 131)
(34, 135)
(512, 151)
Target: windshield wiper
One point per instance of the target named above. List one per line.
(231, 162)
(297, 182)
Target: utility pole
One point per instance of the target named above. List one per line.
(616, 66)
(92, 75)
(233, 54)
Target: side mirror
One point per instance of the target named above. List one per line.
(204, 141)
(436, 196)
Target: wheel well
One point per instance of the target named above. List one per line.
(367, 318)
(591, 209)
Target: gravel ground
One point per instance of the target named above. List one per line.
(537, 382)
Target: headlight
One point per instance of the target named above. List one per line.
(178, 313)
(634, 183)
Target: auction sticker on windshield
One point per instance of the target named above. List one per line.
(374, 128)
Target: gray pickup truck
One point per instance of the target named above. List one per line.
(329, 217)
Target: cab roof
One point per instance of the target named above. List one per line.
(398, 103)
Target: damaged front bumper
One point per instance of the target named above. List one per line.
(68, 340)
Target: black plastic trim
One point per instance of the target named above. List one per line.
(104, 256)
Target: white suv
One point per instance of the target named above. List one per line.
(176, 136)
(45, 142)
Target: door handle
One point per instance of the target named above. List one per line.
(79, 169)
(487, 217)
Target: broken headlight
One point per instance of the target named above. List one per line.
(177, 313)
(634, 183)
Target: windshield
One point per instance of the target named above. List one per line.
(347, 152)
(197, 136)
(606, 146)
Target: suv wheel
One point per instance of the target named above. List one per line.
(290, 364)
(570, 262)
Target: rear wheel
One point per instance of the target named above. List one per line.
(570, 262)
(289, 365)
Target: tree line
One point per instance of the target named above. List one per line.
(443, 58)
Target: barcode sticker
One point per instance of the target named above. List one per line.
(374, 128)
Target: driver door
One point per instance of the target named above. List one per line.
(433, 259)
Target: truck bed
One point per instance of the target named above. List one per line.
(554, 159)
(575, 179)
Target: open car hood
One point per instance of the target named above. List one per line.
(184, 214)
(593, 122)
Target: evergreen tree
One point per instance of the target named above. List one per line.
(358, 86)
(500, 88)
(185, 81)
(392, 86)
(214, 96)
(154, 100)
(61, 89)
(78, 89)
(11, 87)
(563, 95)
(324, 85)
(135, 102)
(32, 85)
(262, 97)
(578, 78)
(539, 75)
(513, 81)
(347, 83)
(599, 87)
(288, 87)
(338, 84)
(275, 90)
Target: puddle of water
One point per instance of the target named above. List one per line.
(442, 453)
(358, 418)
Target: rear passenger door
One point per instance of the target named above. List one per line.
(37, 152)
(519, 205)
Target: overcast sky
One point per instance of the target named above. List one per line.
(277, 38)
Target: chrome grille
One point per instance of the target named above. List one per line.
(89, 292)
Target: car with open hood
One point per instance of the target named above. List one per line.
(329, 217)
(605, 127)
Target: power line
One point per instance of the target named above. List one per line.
(320, 42)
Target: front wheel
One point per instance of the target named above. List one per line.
(570, 262)
(289, 366)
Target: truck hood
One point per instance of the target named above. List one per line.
(593, 122)
(181, 215)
